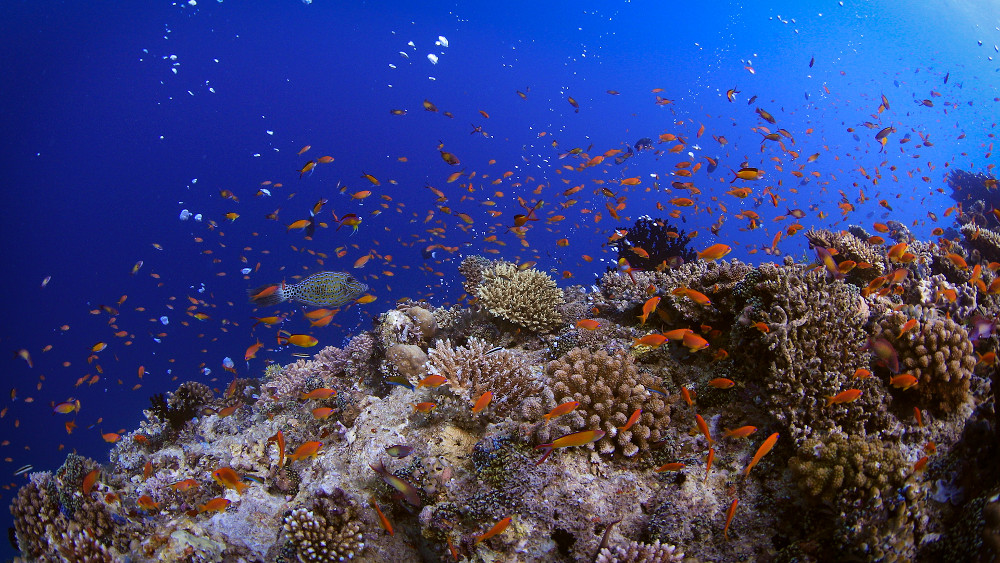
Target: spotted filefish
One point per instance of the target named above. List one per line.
(323, 289)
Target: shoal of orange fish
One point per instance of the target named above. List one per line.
(554, 208)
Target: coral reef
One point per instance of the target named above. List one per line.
(634, 552)
(356, 454)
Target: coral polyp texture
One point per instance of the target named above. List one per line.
(706, 411)
(526, 298)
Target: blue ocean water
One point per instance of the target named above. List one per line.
(118, 118)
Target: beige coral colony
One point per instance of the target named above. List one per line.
(715, 411)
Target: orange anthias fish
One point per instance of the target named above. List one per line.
(671, 466)
(185, 485)
(483, 402)
(631, 420)
(496, 529)
(903, 381)
(308, 449)
(252, 351)
(279, 440)
(741, 432)
(321, 393)
(591, 324)
(300, 340)
(562, 409)
(721, 383)
(432, 381)
(715, 252)
(214, 505)
(89, 481)
(844, 397)
(648, 307)
(146, 503)
(729, 518)
(761, 452)
(229, 479)
(576, 439)
(704, 428)
(386, 525)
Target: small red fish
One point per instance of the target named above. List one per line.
(729, 518)
(576, 439)
(483, 402)
(721, 383)
(741, 432)
(308, 449)
(496, 529)
(562, 409)
(761, 452)
(381, 517)
(847, 396)
(631, 420)
(672, 466)
(704, 428)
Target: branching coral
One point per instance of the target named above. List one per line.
(875, 513)
(526, 298)
(328, 529)
(798, 360)
(635, 552)
(478, 367)
(986, 241)
(938, 353)
(850, 247)
(35, 509)
(609, 388)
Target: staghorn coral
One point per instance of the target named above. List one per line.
(526, 298)
(478, 367)
(635, 552)
(610, 388)
(327, 529)
(938, 353)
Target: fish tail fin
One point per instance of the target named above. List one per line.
(260, 297)
(547, 448)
